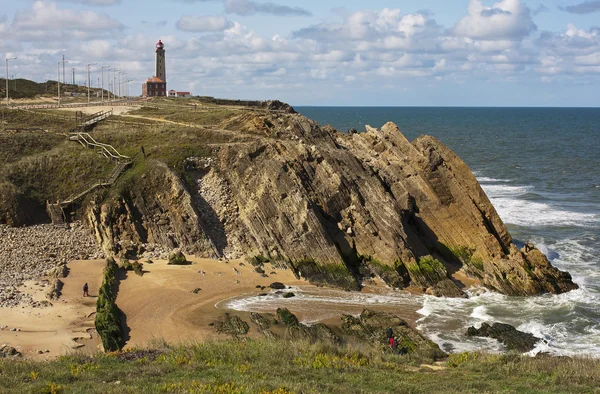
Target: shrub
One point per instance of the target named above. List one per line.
(108, 315)
(257, 260)
(471, 264)
(178, 258)
(329, 274)
(427, 271)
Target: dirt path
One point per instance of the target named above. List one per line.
(61, 329)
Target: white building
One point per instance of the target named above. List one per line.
(173, 93)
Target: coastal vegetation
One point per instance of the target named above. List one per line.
(108, 314)
(331, 274)
(278, 366)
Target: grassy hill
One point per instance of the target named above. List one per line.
(26, 89)
(278, 366)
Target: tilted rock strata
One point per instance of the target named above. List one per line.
(336, 207)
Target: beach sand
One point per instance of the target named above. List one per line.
(63, 327)
(161, 304)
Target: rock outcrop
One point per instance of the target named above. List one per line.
(512, 338)
(335, 207)
(372, 326)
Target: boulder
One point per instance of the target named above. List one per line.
(287, 317)
(178, 258)
(231, 325)
(508, 335)
(277, 286)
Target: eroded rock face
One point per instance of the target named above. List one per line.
(335, 207)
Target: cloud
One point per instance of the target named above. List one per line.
(95, 2)
(506, 19)
(587, 7)
(250, 7)
(202, 24)
(156, 24)
(362, 50)
(46, 16)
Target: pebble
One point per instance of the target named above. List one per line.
(30, 253)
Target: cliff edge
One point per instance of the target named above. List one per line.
(338, 208)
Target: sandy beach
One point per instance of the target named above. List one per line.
(176, 304)
(65, 327)
(161, 304)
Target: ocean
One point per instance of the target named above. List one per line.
(540, 167)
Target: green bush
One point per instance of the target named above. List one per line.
(108, 315)
(328, 274)
(178, 259)
(257, 260)
(465, 255)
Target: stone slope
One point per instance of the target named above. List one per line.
(338, 208)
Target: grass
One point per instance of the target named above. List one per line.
(267, 366)
(427, 271)
(474, 265)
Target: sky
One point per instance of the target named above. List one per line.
(325, 52)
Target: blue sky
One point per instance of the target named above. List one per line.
(328, 52)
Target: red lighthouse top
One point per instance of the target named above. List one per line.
(160, 45)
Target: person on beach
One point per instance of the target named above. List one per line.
(85, 290)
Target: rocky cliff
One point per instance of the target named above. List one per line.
(337, 208)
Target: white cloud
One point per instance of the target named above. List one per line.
(504, 20)
(201, 24)
(95, 2)
(47, 16)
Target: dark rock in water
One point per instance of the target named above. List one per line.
(508, 335)
(287, 317)
(446, 288)
(372, 326)
(289, 294)
(231, 325)
(316, 333)
(277, 286)
(263, 295)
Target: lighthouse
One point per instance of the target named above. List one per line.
(157, 85)
(161, 67)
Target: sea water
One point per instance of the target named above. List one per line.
(540, 167)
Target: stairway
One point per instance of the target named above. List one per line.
(56, 214)
(83, 122)
(56, 211)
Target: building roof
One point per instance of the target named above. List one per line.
(155, 79)
(183, 93)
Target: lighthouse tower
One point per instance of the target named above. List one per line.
(161, 68)
(157, 85)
